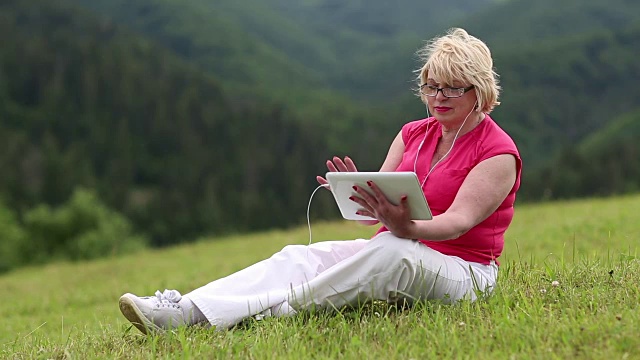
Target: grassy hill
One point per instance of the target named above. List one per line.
(589, 247)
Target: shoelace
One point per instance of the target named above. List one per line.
(168, 298)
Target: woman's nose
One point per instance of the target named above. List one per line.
(440, 95)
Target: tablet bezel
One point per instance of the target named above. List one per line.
(393, 184)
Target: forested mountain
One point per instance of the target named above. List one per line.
(516, 23)
(557, 93)
(294, 48)
(605, 163)
(197, 116)
(211, 39)
(362, 48)
(365, 49)
(85, 103)
(225, 44)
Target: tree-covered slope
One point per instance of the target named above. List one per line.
(558, 92)
(211, 38)
(366, 49)
(520, 22)
(86, 103)
(217, 39)
(606, 162)
(196, 116)
(282, 47)
(363, 48)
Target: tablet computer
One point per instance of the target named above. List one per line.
(393, 184)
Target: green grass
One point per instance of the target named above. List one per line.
(590, 247)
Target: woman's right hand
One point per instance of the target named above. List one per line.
(338, 165)
(347, 165)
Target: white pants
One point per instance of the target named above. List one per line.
(336, 273)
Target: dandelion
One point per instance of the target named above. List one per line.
(555, 283)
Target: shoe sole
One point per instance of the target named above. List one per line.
(131, 311)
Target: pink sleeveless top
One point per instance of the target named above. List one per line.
(484, 242)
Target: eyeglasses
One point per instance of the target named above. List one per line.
(448, 92)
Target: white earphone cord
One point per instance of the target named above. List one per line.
(415, 162)
(309, 207)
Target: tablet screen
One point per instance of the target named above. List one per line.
(393, 184)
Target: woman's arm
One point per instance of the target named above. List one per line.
(394, 155)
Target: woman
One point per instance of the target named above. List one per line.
(470, 171)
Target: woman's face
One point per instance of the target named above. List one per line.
(450, 111)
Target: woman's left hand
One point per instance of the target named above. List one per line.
(396, 218)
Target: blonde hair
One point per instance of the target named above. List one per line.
(458, 56)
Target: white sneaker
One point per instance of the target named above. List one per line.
(153, 313)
